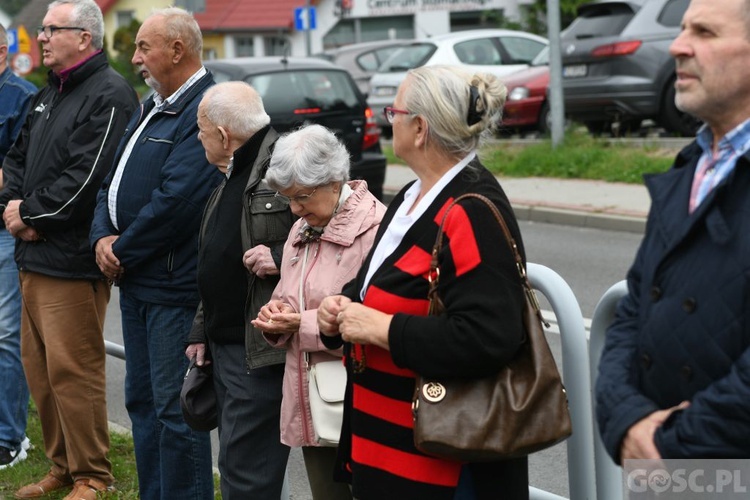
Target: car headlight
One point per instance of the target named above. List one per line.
(518, 93)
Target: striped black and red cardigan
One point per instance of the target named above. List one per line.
(479, 331)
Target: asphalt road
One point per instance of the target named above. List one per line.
(589, 260)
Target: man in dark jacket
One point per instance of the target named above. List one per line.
(52, 174)
(243, 216)
(673, 378)
(145, 234)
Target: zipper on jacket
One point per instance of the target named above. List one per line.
(170, 261)
(304, 379)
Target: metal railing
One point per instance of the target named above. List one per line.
(576, 377)
(575, 373)
(608, 474)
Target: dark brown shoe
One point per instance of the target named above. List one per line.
(47, 485)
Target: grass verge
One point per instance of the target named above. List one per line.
(579, 157)
(36, 465)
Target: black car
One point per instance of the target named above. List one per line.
(296, 91)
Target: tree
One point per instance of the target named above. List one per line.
(536, 15)
(12, 7)
(123, 44)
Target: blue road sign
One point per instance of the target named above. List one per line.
(304, 18)
(12, 41)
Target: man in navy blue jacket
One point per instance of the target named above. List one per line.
(674, 378)
(15, 98)
(145, 235)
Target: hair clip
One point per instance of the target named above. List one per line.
(475, 115)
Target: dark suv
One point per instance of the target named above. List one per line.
(298, 90)
(617, 66)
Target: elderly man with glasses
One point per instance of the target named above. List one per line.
(52, 174)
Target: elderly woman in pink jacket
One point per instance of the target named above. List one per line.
(325, 249)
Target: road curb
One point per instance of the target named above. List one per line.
(551, 215)
(566, 217)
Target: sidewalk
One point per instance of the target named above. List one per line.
(572, 202)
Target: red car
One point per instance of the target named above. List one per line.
(526, 106)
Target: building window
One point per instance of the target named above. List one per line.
(384, 28)
(349, 31)
(124, 17)
(192, 5)
(473, 20)
(274, 45)
(243, 46)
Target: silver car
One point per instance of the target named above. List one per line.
(500, 52)
(617, 67)
(362, 60)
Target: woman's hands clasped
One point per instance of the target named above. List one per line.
(277, 317)
(355, 323)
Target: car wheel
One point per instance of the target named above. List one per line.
(544, 124)
(626, 127)
(675, 120)
(599, 127)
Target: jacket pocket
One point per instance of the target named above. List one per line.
(271, 218)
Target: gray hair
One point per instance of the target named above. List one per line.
(87, 15)
(442, 95)
(3, 35)
(180, 24)
(237, 107)
(311, 156)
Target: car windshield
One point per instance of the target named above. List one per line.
(599, 20)
(305, 92)
(409, 57)
(542, 58)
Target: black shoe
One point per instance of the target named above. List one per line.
(10, 457)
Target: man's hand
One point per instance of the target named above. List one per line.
(639, 441)
(258, 261)
(28, 234)
(197, 351)
(108, 263)
(12, 218)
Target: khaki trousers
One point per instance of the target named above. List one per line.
(62, 347)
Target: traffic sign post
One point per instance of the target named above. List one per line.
(12, 41)
(24, 40)
(22, 64)
(304, 18)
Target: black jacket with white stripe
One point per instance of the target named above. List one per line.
(58, 163)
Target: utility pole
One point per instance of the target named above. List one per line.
(308, 40)
(557, 103)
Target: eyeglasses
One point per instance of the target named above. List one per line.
(390, 113)
(50, 30)
(300, 199)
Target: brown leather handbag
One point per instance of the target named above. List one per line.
(520, 410)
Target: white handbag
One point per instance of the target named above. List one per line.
(327, 385)
(326, 382)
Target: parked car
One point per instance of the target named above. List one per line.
(500, 52)
(362, 60)
(617, 66)
(526, 106)
(301, 90)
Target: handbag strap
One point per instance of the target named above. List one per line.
(434, 275)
